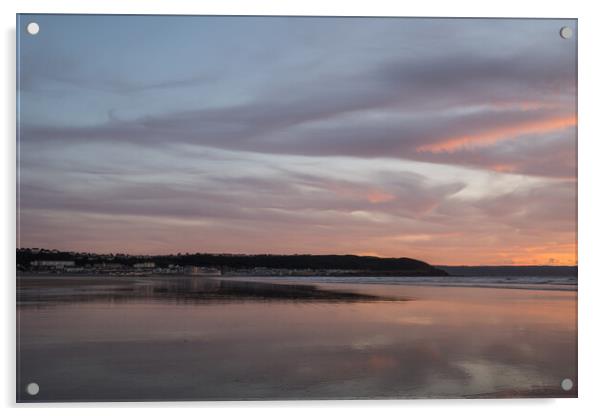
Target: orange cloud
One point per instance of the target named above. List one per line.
(556, 258)
(377, 197)
(504, 168)
(498, 134)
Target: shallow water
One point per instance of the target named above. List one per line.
(201, 339)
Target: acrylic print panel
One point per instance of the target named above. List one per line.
(229, 208)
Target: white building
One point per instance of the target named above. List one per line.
(53, 264)
(145, 265)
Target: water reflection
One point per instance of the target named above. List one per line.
(447, 342)
(46, 291)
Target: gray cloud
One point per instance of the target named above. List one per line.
(423, 102)
(224, 140)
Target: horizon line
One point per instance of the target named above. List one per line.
(296, 254)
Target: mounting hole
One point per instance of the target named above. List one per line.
(33, 28)
(33, 389)
(567, 384)
(566, 32)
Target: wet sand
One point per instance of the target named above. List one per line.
(205, 339)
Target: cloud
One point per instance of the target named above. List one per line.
(288, 208)
(436, 138)
(401, 110)
(287, 197)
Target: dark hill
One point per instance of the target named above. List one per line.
(361, 265)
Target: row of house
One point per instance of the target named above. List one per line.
(68, 266)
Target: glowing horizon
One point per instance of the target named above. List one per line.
(449, 141)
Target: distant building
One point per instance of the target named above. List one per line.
(202, 271)
(108, 266)
(52, 264)
(145, 265)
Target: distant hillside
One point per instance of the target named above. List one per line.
(510, 270)
(352, 264)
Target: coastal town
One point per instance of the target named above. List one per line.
(44, 261)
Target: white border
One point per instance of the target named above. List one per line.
(590, 201)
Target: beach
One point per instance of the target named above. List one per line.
(197, 338)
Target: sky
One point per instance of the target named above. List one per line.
(452, 141)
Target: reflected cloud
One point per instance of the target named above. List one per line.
(480, 342)
(48, 291)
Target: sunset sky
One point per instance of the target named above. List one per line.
(452, 141)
